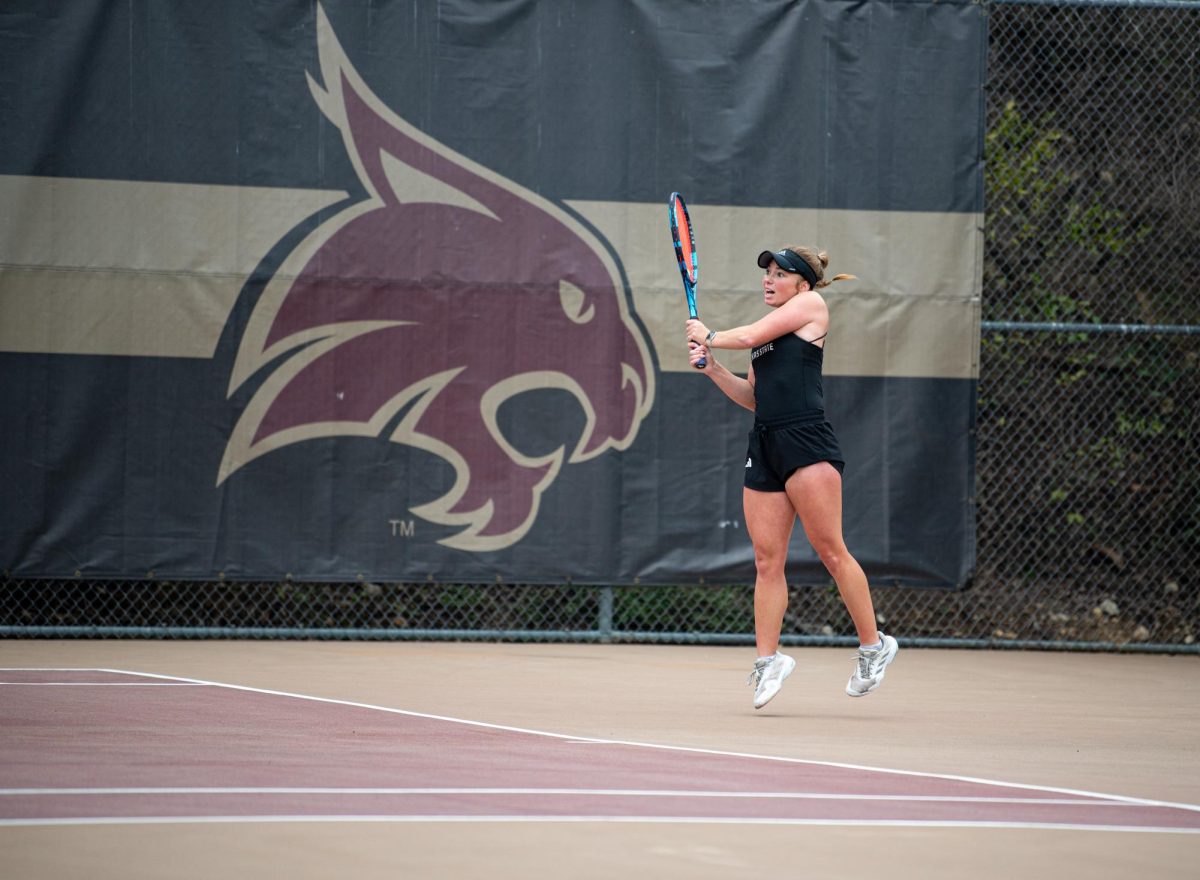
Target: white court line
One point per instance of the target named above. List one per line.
(645, 820)
(569, 792)
(4, 669)
(685, 749)
(102, 684)
(574, 739)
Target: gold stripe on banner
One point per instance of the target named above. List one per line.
(154, 269)
(120, 267)
(913, 310)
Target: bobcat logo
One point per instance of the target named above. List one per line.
(442, 294)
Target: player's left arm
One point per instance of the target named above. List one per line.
(801, 311)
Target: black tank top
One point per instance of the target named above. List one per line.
(787, 380)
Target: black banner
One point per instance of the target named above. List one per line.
(371, 290)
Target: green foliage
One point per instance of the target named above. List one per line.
(1046, 233)
(698, 609)
(1100, 230)
(1093, 419)
(1021, 181)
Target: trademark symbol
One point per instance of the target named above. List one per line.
(402, 528)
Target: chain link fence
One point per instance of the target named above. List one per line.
(1089, 467)
(1088, 462)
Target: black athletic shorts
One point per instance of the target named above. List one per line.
(777, 451)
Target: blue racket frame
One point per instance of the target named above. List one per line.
(689, 270)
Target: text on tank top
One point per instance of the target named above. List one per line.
(787, 379)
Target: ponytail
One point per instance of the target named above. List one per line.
(819, 261)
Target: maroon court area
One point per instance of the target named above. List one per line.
(94, 745)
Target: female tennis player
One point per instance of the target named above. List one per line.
(793, 465)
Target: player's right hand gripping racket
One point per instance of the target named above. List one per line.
(685, 250)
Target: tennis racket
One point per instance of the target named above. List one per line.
(685, 249)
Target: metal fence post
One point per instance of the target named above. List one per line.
(604, 614)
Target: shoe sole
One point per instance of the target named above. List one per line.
(882, 672)
(782, 678)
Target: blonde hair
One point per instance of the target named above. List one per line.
(818, 261)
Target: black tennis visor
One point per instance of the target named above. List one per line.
(789, 261)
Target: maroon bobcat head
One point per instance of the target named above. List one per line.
(447, 291)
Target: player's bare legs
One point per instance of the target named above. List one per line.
(769, 520)
(816, 493)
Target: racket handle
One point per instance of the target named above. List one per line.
(702, 363)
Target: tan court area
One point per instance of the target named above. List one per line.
(1123, 725)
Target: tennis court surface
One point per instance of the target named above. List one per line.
(181, 759)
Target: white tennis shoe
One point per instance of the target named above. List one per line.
(768, 676)
(871, 666)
